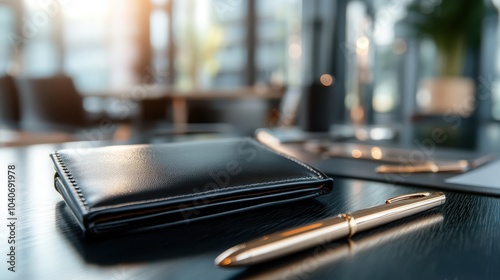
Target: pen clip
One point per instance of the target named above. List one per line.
(407, 196)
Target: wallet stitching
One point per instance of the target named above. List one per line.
(201, 193)
(290, 158)
(72, 181)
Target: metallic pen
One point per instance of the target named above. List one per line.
(344, 225)
(435, 166)
(303, 265)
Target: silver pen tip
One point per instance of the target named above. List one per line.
(226, 262)
(229, 257)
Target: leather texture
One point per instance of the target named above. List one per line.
(142, 187)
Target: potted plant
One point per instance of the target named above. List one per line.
(454, 26)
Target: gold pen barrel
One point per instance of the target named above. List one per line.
(395, 209)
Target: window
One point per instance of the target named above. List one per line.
(6, 29)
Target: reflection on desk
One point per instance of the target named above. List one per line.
(302, 264)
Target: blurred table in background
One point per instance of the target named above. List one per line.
(179, 98)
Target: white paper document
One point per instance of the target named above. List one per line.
(484, 176)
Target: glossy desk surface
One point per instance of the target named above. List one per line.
(461, 240)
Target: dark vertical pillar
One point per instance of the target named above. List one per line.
(324, 41)
(409, 77)
(487, 72)
(337, 66)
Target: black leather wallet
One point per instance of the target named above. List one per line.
(142, 187)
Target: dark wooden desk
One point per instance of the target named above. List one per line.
(461, 240)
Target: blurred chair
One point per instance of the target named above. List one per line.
(9, 103)
(50, 104)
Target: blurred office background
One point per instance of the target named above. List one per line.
(141, 71)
